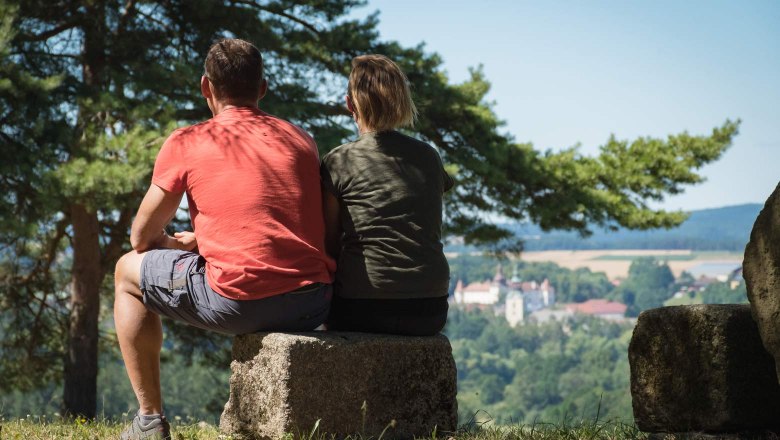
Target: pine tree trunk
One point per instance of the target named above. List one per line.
(81, 358)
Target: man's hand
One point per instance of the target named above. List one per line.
(185, 241)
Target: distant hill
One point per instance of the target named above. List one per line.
(718, 229)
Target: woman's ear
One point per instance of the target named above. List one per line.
(350, 105)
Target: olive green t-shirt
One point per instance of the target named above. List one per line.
(389, 187)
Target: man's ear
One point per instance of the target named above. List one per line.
(205, 87)
(263, 89)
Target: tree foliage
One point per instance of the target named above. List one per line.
(89, 89)
(548, 373)
(722, 293)
(650, 282)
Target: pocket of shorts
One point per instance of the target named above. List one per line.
(205, 298)
(176, 297)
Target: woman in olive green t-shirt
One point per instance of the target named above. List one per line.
(382, 200)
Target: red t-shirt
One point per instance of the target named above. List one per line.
(253, 186)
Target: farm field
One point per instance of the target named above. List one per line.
(615, 262)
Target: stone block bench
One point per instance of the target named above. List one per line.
(352, 383)
(703, 369)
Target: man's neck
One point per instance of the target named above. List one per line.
(220, 107)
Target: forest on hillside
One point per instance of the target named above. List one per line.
(718, 229)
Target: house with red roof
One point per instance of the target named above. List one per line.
(600, 308)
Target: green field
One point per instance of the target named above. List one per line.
(689, 257)
(41, 428)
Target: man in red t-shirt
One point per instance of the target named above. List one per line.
(255, 261)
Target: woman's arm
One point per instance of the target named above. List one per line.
(331, 212)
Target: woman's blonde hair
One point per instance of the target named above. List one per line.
(380, 93)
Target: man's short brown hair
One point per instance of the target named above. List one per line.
(380, 93)
(235, 68)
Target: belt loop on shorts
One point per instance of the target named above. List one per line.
(177, 284)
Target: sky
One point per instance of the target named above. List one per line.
(574, 72)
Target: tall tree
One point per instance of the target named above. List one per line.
(90, 88)
(650, 282)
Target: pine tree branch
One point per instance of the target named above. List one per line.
(313, 29)
(48, 54)
(129, 8)
(52, 32)
(331, 109)
(43, 264)
(149, 17)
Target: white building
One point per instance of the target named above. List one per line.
(525, 298)
(515, 308)
(484, 293)
(477, 293)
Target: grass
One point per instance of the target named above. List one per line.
(43, 428)
(46, 428)
(685, 300)
(548, 431)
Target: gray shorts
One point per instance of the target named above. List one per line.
(174, 284)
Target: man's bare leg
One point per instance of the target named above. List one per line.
(140, 334)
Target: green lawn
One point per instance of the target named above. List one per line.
(45, 429)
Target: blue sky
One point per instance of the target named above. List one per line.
(569, 72)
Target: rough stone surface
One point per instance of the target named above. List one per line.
(702, 368)
(351, 382)
(761, 270)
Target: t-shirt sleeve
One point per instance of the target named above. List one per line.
(170, 173)
(447, 181)
(329, 175)
(308, 139)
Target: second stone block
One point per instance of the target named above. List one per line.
(702, 368)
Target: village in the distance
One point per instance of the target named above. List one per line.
(522, 301)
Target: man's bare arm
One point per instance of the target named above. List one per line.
(156, 211)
